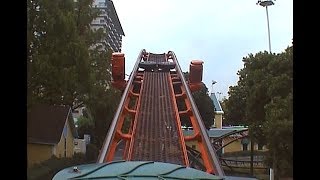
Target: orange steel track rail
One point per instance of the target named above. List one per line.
(149, 108)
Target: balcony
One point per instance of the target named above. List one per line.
(101, 5)
(103, 15)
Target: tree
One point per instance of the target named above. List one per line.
(262, 99)
(234, 106)
(85, 125)
(103, 108)
(203, 103)
(58, 57)
(279, 114)
(67, 62)
(279, 129)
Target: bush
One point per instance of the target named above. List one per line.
(92, 153)
(47, 169)
(37, 171)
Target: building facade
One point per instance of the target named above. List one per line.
(232, 138)
(109, 21)
(50, 132)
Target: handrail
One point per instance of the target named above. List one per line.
(111, 131)
(218, 168)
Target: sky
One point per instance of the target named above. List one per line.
(220, 33)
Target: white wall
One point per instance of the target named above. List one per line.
(80, 146)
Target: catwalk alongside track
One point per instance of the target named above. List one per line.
(147, 124)
(156, 136)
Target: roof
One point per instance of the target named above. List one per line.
(45, 123)
(216, 103)
(239, 178)
(133, 170)
(216, 133)
(235, 127)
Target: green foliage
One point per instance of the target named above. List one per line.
(85, 125)
(262, 99)
(58, 64)
(279, 130)
(234, 106)
(84, 121)
(63, 63)
(67, 63)
(92, 153)
(203, 103)
(47, 169)
(103, 106)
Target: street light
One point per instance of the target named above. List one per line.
(219, 95)
(213, 82)
(266, 4)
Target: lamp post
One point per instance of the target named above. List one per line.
(266, 4)
(219, 95)
(213, 82)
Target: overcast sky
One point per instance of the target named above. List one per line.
(220, 33)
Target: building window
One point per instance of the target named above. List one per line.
(260, 147)
(101, 20)
(245, 147)
(245, 143)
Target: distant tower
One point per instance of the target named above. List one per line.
(213, 82)
(217, 108)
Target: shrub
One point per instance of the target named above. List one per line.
(92, 152)
(47, 169)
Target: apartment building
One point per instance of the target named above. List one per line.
(109, 21)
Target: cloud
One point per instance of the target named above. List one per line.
(220, 33)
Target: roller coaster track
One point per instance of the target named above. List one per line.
(148, 120)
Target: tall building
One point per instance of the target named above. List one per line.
(109, 21)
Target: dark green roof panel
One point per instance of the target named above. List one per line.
(133, 170)
(216, 103)
(213, 133)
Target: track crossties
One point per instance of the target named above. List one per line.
(156, 137)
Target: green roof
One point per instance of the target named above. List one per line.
(216, 103)
(133, 170)
(215, 133)
(212, 133)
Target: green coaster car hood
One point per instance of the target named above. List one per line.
(132, 170)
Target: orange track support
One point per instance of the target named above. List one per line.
(179, 123)
(149, 103)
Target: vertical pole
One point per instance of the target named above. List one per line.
(211, 87)
(271, 174)
(268, 29)
(251, 156)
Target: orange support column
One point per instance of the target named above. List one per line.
(118, 70)
(195, 77)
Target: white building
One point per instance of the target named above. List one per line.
(80, 146)
(109, 21)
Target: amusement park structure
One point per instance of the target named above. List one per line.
(146, 128)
